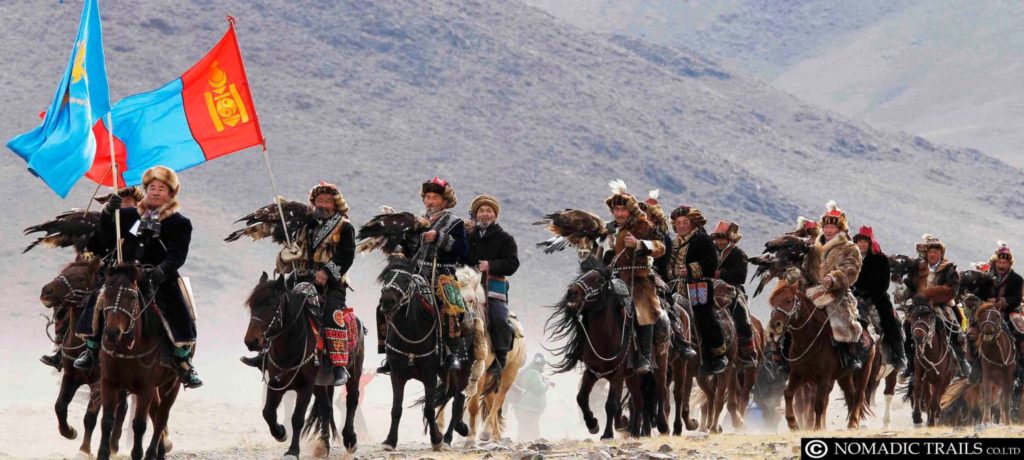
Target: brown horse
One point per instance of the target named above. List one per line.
(812, 358)
(682, 374)
(134, 346)
(998, 356)
(743, 384)
(67, 294)
(598, 330)
(933, 361)
(717, 388)
(280, 322)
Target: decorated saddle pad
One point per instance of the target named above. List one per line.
(449, 295)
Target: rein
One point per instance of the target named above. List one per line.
(405, 303)
(307, 356)
(793, 313)
(999, 327)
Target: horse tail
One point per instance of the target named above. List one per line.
(321, 416)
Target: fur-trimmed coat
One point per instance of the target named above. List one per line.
(940, 287)
(634, 266)
(328, 245)
(696, 253)
(1008, 292)
(732, 267)
(838, 259)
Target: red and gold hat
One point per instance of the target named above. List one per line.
(835, 216)
(728, 230)
(440, 187)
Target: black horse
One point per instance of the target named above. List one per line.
(414, 344)
(597, 331)
(280, 322)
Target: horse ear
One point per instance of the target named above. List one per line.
(264, 278)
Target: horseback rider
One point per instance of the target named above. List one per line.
(940, 288)
(732, 268)
(154, 234)
(693, 261)
(437, 253)
(657, 216)
(834, 263)
(493, 251)
(629, 250)
(1006, 292)
(872, 288)
(327, 244)
(130, 197)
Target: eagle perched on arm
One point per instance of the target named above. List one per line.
(72, 228)
(572, 227)
(265, 222)
(780, 255)
(388, 230)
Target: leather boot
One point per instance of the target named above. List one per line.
(498, 365)
(52, 360)
(745, 355)
(187, 372)
(957, 342)
(340, 376)
(255, 361)
(853, 356)
(644, 340)
(385, 367)
(86, 360)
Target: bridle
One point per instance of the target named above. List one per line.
(792, 314)
(74, 295)
(392, 283)
(998, 323)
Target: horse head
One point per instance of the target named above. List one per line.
(72, 285)
(786, 301)
(400, 284)
(989, 320)
(473, 292)
(121, 303)
(585, 291)
(922, 321)
(266, 306)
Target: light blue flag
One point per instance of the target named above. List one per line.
(62, 149)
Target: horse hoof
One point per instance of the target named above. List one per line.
(485, 436)
(691, 425)
(279, 433)
(437, 447)
(462, 429)
(387, 447)
(351, 450)
(290, 457)
(70, 433)
(83, 456)
(168, 445)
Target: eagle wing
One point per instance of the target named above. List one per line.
(72, 228)
(388, 230)
(265, 222)
(572, 227)
(780, 254)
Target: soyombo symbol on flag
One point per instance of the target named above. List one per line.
(63, 147)
(205, 114)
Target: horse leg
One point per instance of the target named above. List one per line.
(986, 400)
(889, 392)
(583, 400)
(348, 434)
(662, 401)
(473, 411)
(849, 390)
(270, 414)
(161, 414)
(611, 406)
(397, 395)
(109, 397)
(458, 410)
(636, 407)
(791, 387)
(119, 416)
(689, 371)
(677, 396)
(92, 412)
(140, 420)
(68, 387)
(429, 395)
(303, 394)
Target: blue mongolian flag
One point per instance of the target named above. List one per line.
(63, 147)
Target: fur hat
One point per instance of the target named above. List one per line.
(728, 230)
(1002, 253)
(806, 228)
(324, 188)
(162, 174)
(440, 187)
(693, 214)
(930, 242)
(868, 233)
(482, 200)
(621, 197)
(835, 216)
(652, 208)
(133, 192)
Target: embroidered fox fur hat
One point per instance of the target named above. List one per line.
(440, 187)
(324, 188)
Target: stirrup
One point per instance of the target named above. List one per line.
(385, 367)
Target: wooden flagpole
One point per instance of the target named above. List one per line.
(113, 184)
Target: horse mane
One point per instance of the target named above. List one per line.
(562, 324)
(261, 294)
(396, 263)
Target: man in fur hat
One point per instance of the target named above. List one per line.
(130, 198)
(632, 244)
(154, 233)
(834, 263)
(732, 268)
(872, 288)
(437, 252)
(657, 216)
(327, 244)
(493, 251)
(693, 261)
(940, 284)
(1006, 292)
